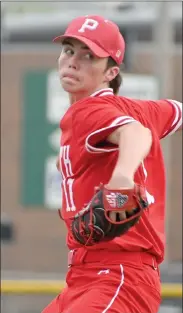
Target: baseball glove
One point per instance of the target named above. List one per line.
(93, 224)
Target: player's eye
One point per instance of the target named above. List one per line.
(67, 50)
(88, 56)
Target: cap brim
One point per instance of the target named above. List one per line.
(98, 51)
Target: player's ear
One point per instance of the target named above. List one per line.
(111, 73)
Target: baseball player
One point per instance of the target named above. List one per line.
(113, 177)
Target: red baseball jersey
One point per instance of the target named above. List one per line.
(88, 159)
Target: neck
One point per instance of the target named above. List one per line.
(74, 97)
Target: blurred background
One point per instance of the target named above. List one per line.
(32, 103)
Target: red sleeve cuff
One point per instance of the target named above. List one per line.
(101, 134)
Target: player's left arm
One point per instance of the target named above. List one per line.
(134, 142)
(121, 201)
(180, 128)
(177, 122)
(165, 116)
(118, 205)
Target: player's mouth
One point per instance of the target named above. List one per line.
(70, 76)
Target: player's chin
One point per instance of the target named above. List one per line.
(70, 87)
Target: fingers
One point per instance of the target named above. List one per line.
(112, 216)
(122, 215)
(116, 216)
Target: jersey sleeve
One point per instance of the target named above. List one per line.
(164, 115)
(95, 121)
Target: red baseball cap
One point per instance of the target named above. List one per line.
(101, 36)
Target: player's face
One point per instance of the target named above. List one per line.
(80, 71)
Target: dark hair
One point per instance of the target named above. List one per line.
(116, 82)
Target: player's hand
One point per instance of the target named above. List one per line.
(58, 163)
(99, 220)
(119, 181)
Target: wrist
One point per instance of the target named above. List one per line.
(127, 173)
(120, 179)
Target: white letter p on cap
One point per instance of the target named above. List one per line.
(88, 24)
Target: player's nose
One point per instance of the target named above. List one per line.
(73, 62)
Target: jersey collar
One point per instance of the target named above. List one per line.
(102, 92)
